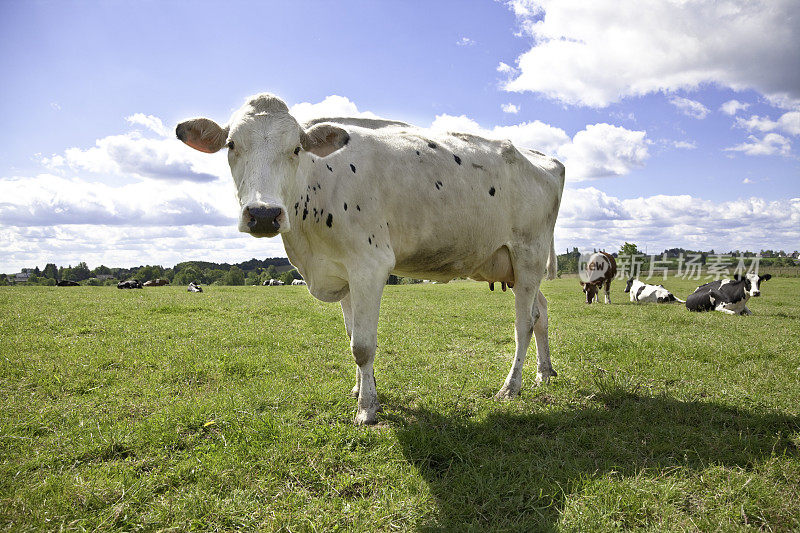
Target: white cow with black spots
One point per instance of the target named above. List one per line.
(644, 292)
(356, 199)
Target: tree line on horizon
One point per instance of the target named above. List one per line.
(256, 271)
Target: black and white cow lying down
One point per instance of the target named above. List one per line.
(642, 292)
(727, 295)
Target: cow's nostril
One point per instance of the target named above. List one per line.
(263, 219)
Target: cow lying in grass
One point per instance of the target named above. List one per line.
(642, 292)
(728, 296)
(358, 199)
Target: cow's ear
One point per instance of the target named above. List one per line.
(765, 277)
(202, 134)
(323, 139)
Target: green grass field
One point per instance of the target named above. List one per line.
(158, 409)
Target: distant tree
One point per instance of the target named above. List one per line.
(3, 280)
(234, 276)
(187, 275)
(50, 271)
(253, 278)
(81, 272)
(101, 270)
(628, 249)
(289, 276)
(211, 275)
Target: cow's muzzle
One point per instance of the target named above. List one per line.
(263, 221)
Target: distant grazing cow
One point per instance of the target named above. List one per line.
(273, 282)
(728, 296)
(598, 271)
(194, 287)
(298, 282)
(642, 292)
(68, 283)
(158, 282)
(357, 199)
(130, 284)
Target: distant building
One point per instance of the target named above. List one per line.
(23, 276)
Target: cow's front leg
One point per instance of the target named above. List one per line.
(365, 300)
(524, 297)
(347, 313)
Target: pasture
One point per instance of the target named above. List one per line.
(158, 409)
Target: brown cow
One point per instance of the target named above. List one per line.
(597, 272)
(158, 282)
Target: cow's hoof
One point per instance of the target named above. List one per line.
(543, 378)
(507, 393)
(365, 417)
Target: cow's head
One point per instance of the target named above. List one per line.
(752, 283)
(629, 284)
(265, 144)
(591, 288)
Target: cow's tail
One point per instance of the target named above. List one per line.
(552, 260)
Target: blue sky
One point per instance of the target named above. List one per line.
(679, 125)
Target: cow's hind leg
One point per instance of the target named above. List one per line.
(544, 369)
(526, 289)
(608, 291)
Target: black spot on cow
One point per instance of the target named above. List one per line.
(305, 213)
(458, 159)
(358, 208)
(345, 206)
(353, 168)
(329, 167)
(438, 185)
(369, 240)
(417, 152)
(313, 189)
(315, 211)
(297, 150)
(432, 145)
(639, 292)
(296, 205)
(307, 200)
(319, 186)
(329, 221)
(491, 191)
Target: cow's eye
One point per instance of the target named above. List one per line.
(297, 150)
(230, 145)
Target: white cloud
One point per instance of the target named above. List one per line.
(55, 106)
(684, 145)
(788, 123)
(590, 218)
(50, 200)
(150, 122)
(731, 107)
(134, 155)
(465, 41)
(690, 108)
(510, 108)
(770, 144)
(332, 106)
(603, 150)
(747, 181)
(506, 69)
(596, 53)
